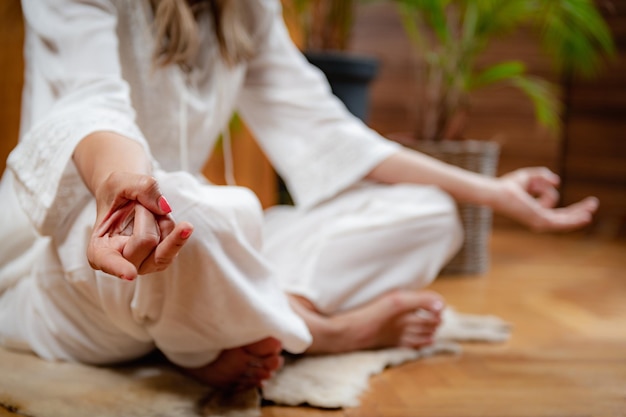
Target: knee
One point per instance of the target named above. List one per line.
(218, 209)
(244, 212)
(437, 215)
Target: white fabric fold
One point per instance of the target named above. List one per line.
(48, 184)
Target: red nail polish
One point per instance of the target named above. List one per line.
(164, 205)
(185, 233)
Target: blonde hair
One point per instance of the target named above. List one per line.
(177, 34)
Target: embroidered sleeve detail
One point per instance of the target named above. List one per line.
(48, 184)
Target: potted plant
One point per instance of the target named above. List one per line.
(325, 27)
(449, 36)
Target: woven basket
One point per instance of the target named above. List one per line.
(476, 156)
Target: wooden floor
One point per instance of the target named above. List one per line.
(565, 295)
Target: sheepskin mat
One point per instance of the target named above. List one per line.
(32, 387)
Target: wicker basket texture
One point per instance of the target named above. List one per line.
(476, 156)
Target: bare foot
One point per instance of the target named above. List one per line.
(399, 318)
(241, 368)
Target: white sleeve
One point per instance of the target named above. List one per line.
(75, 88)
(314, 143)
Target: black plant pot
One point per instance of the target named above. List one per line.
(349, 77)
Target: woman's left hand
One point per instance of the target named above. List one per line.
(530, 195)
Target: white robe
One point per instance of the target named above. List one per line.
(88, 69)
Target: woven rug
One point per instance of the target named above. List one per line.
(32, 387)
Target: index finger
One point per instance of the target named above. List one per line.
(168, 249)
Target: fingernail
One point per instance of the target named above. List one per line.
(164, 205)
(185, 233)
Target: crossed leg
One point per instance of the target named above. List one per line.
(353, 265)
(399, 318)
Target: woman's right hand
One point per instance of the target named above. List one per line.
(134, 231)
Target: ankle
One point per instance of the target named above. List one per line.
(343, 333)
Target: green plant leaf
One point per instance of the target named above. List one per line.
(575, 35)
(496, 17)
(545, 98)
(573, 32)
(433, 13)
(495, 74)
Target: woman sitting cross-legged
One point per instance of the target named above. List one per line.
(114, 245)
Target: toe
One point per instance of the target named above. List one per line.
(432, 302)
(272, 362)
(416, 341)
(265, 347)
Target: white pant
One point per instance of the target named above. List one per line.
(367, 241)
(218, 293)
(221, 292)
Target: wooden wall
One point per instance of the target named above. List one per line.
(11, 75)
(594, 151)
